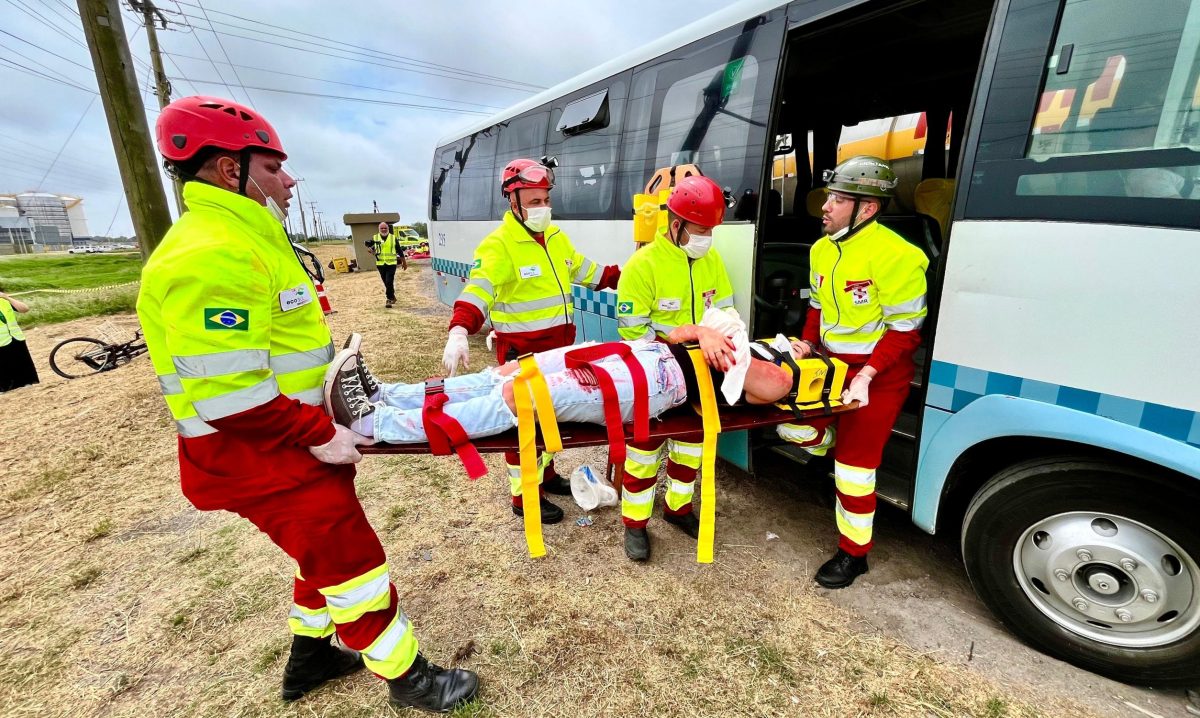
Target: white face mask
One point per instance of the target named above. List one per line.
(537, 219)
(279, 213)
(698, 245)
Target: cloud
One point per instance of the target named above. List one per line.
(349, 153)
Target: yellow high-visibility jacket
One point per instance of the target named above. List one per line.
(9, 328)
(662, 288)
(231, 318)
(865, 285)
(523, 286)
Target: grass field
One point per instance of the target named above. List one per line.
(118, 599)
(71, 272)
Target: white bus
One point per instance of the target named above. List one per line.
(1054, 423)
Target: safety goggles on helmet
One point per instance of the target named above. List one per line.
(532, 176)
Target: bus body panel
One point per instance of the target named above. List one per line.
(1027, 298)
(949, 435)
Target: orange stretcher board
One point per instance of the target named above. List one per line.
(680, 423)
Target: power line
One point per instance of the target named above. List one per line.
(210, 60)
(42, 19)
(48, 52)
(38, 63)
(419, 71)
(340, 44)
(221, 45)
(336, 82)
(68, 140)
(434, 108)
(28, 70)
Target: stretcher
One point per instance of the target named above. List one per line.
(538, 429)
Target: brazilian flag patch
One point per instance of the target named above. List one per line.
(478, 263)
(625, 308)
(227, 319)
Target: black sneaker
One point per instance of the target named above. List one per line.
(369, 382)
(637, 544)
(687, 523)
(841, 570)
(314, 661)
(551, 514)
(345, 399)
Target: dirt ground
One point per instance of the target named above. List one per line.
(117, 598)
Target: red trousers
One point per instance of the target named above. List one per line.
(322, 526)
(857, 439)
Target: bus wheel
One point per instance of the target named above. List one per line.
(1093, 562)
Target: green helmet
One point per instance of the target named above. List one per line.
(862, 175)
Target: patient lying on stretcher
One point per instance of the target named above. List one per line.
(483, 402)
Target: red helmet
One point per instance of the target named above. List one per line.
(526, 174)
(698, 200)
(190, 124)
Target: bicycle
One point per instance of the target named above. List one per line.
(80, 356)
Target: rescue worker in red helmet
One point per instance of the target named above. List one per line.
(866, 308)
(521, 281)
(240, 347)
(665, 289)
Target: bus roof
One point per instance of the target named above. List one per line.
(728, 17)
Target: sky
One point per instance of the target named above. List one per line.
(452, 60)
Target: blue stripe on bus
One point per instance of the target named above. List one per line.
(952, 387)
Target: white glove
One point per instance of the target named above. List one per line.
(491, 336)
(456, 351)
(340, 449)
(857, 391)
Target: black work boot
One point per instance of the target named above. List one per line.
(841, 570)
(637, 544)
(557, 485)
(551, 514)
(687, 523)
(432, 688)
(314, 661)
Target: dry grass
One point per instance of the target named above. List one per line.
(119, 599)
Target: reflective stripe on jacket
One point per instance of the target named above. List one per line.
(523, 285)
(865, 285)
(661, 288)
(9, 328)
(230, 317)
(385, 249)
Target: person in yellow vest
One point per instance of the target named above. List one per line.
(383, 246)
(16, 365)
(241, 348)
(866, 307)
(668, 284)
(521, 280)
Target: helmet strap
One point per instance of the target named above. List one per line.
(855, 228)
(244, 176)
(519, 211)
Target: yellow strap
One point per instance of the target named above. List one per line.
(545, 405)
(708, 471)
(527, 441)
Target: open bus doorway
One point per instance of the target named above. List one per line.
(894, 81)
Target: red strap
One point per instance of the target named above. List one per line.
(444, 433)
(588, 359)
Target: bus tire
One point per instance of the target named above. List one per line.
(1093, 562)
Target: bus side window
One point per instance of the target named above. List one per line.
(1115, 126)
(443, 200)
(587, 150)
(521, 137)
(477, 184)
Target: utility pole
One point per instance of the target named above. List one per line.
(105, 33)
(162, 86)
(300, 201)
(316, 219)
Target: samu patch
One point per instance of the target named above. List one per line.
(226, 319)
(859, 290)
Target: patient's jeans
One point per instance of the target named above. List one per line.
(477, 400)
